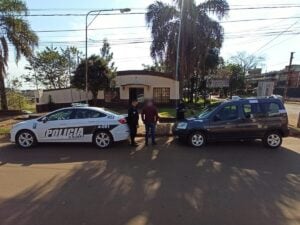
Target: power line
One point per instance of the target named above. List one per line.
(131, 27)
(260, 19)
(76, 30)
(277, 36)
(78, 14)
(265, 7)
(240, 7)
(279, 43)
(234, 7)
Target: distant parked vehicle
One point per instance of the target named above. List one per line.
(244, 119)
(235, 97)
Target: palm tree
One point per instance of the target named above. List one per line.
(200, 33)
(17, 32)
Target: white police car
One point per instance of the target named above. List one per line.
(74, 124)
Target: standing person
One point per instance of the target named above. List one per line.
(133, 121)
(150, 118)
(180, 110)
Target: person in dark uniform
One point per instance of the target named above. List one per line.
(180, 110)
(133, 121)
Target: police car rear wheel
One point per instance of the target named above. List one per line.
(197, 139)
(102, 139)
(26, 139)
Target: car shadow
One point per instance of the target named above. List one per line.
(223, 183)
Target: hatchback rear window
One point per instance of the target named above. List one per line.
(271, 108)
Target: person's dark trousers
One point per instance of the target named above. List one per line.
(133, 131)
(150, 128)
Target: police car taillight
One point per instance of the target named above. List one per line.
(122, 121)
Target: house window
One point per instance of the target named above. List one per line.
(161, 95)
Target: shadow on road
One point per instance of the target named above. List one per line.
(242, 183)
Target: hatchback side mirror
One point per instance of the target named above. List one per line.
(217, 118)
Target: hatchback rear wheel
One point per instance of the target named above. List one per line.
(272, 140)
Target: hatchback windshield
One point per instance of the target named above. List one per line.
(208, 110)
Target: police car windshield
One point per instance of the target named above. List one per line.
(208, 110)
(111, 111)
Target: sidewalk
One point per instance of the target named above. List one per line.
(162, 129)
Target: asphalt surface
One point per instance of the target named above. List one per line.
(224, 183)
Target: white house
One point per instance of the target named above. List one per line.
(133, 84)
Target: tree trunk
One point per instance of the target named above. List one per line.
(191, 93)
(3, 97)
(95, 97)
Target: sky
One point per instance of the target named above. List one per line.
(130, 39)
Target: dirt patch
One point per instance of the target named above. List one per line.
(4, 138)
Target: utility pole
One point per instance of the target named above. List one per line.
(178, 52)
(288, 75)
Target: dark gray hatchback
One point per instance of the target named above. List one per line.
(244, 119)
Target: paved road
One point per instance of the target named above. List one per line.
(225, 183)
(293, 113)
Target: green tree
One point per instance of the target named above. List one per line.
(16, 31)
(73, 55)
(99, 76)
(107, 55)
(236, 78)
(247, 61)
(199, 34)
(156, 67)
(49, 68)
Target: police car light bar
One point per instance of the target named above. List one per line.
(79, 105)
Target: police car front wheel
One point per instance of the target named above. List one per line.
(26, 139)
(102, 139)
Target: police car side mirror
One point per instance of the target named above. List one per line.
(44, 119)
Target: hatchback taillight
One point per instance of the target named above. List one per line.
(122, 121)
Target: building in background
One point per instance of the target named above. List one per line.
(281, 79)
(133, 84)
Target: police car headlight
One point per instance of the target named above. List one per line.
(182, 125)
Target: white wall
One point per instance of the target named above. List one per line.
(147, 82)
(265, 88)
(64, 96)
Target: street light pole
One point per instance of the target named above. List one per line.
(123, 10)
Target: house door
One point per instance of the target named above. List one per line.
(137, 94)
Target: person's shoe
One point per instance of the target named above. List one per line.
(134, 144)
(154, 143)
(146, 143)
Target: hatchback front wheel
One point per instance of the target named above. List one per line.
(197, 139)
